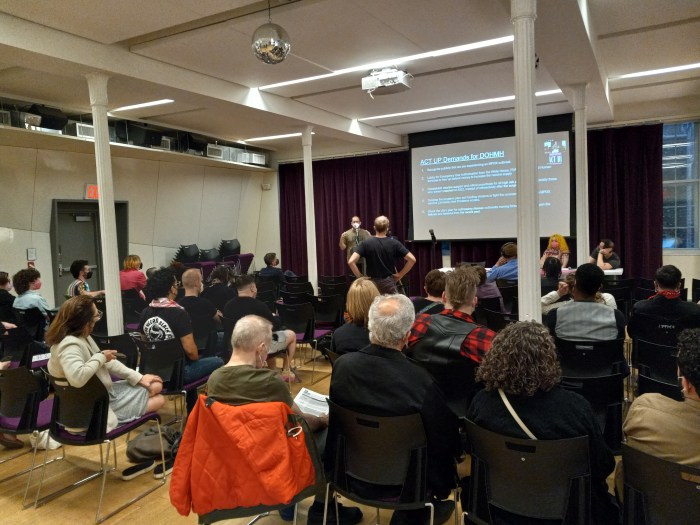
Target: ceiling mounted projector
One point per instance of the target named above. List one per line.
(387, 81)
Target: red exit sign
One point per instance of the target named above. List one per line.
(92, 192)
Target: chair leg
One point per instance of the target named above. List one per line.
(325, 504)
(376, 517)
(103, 470)
(432, 512)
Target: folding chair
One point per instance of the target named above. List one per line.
(298, 287)
(646, 385)
(544, 479)
(18, 347)
(132, 306)
(509, 294)
(337, 288)
(659, 492)
(296, 279)
(33, 320)
(22, 410)
(124, 344)
(328, 311)
(497, 321)
(332, 279)
(87, 408)
(384, 451)
(296, 297)
(300, 319)
(591, 358)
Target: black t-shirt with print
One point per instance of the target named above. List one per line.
(161, 324)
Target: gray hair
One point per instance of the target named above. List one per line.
(249, 332)
(390, 319)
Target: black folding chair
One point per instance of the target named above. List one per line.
(497, 321)
(338, 288)
(695, 290)
(296, 297)
(332, 279)
(132, 306)
(328, 311)
(509, 294)
(19, 347)
(127, 349)
(300, 318)
(591, 358)
(659, 492)
(647, 385)
(33, 320)
(623, 298)
(298, 287)
(87, 408)
(542, 479)
(296, 278)
(385, 451)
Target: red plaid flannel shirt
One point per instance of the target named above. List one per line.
(474, 346)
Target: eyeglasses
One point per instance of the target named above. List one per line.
(98, 315)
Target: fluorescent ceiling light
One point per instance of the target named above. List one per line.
(460, 105)
(397, 61)
(145, 104)
(658, 71)
(273, 137)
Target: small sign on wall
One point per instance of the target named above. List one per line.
(91, 192)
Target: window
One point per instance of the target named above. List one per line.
(681, 185)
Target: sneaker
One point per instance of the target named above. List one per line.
(137, 470)
(159, 472)
(287, 513)
(347, 515)
(443, 512)
(45, 441)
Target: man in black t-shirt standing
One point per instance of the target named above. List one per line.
(247, 304)
(381, 253)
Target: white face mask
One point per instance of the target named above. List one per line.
(355, 225)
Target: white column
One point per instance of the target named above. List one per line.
(97, 84)
(581, 137)
(523, 14)
(310, 212)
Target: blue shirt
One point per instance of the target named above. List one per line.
(31, 299)
(508, 271)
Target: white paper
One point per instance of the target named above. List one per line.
(310, 402)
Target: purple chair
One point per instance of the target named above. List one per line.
(300, 318)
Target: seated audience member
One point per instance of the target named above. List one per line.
(164, 319)
(562, 295)
(354, 334)
(380, 380)
(76, 357)
(219, 292)
(552, 273)
(522, 367)
(151, 271)
(203, 314)
(27, 285)
(558, 249)
(604, 257)
(507, 265)
(245, 379)
(271, 270)
(131, 277)
(428, 331)
(246, 303)
(434, 286)
(179, 270)
(81, 272)
(664, 427)
(6, 299)
(666, 302)
(487, 290)
(584, 319)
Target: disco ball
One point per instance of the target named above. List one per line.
(270, 43)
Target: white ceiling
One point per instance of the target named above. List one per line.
(198, 53)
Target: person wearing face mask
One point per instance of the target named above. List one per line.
(272, 270)
(557, 248)
(81, 271)
(351, 238)
(27, 285)
(7, 315)
(131, 277)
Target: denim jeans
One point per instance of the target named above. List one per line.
(197, 369)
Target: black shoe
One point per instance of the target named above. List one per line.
(443, 511)
(138, 469)
(159, 472)
(347, 515)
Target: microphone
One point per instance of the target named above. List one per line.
(432, 235)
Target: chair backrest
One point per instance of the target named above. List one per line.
(296, 278)
(555, 472)
(265, 284)
(20, 395)
(85, 407)
(337, 288)
(655, 361)
(33, 320)
(332, 279)
(124, 344)
(659, 492)
(477, 263)
(695, 290)
(329, 309)
(657, 329)
(645, 283)
(623, 298)
(18, 346)
(613, 281)
(296, 297)
(606, 395)
(298, 287)
(648, 385)
(229, 324)
(212, 254)
(299, 318)
(509, 293)
(591, 358)
(496, 320)
(132, 305)
(165, 359)
(380, 450)
(269, 298)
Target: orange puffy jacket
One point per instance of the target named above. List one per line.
(239, 456)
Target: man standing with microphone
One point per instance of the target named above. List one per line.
(351, 239)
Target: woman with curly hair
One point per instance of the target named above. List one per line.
(522, 366)
(354, 335)
(556, 247)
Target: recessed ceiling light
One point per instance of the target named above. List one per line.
(658, 71)
(396, 61)
(459, 105)
(274, 137)
(145, 104)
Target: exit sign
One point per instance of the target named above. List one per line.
(92, 193)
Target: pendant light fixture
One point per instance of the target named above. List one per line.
(270, 42)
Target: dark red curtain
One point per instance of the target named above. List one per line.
(625, 194)
(367, 186)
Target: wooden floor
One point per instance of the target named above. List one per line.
(79, 506)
